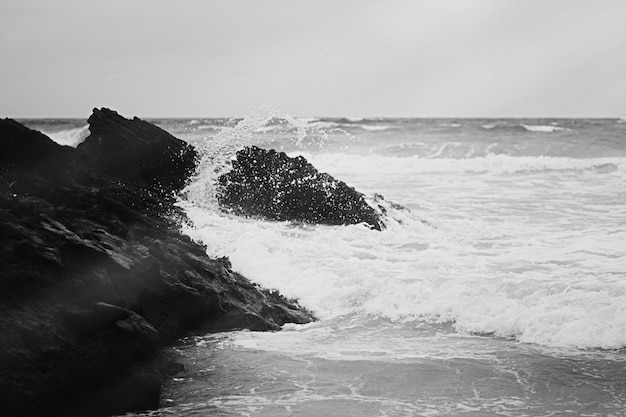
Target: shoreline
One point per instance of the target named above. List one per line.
(97, 277)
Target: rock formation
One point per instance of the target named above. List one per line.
(270, 184)
(95, 276)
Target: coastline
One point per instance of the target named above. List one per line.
(96, 276)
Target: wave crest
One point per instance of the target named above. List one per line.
(491, 163)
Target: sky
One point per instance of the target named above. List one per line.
(394, 58)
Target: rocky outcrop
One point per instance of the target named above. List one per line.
(95, 276)
(272, 185)
(135, 149)
(25, 149)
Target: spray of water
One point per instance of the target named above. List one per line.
(264, 126)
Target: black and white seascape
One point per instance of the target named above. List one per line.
(484, 275)
(496, 288)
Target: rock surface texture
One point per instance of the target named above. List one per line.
(94, 275)
(275, 186)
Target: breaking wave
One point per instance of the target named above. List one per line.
(521, 247)
(69, 137)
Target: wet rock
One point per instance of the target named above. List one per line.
(135, 149)
(24, 148)
(95, 275)
(270, 184)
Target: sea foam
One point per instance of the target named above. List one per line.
(543, 128)
(522, 247)
(485, 281)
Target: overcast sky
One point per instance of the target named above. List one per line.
(210, 58)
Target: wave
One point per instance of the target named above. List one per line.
(491, 163)
(69, 137)
(374, 128)
(476, 264)
(503, 127)
(544, 128)
(528, 289)
(523, 128)
(264, 127)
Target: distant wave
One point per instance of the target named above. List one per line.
(524, 128)
(374, 128)
(543, 128)
(504, 127)
(69, 137)
(492, 163)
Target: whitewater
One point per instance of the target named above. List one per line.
(497, 288)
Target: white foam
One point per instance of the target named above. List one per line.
(524, 286)
(374, 128)
(536, 256)
(70, 137)
(544, 128)
(216, 151)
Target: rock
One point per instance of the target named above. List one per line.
(131, 149)
(270, 184)
(133, 392)
(23, 148)
(126, 379)
(95, 275)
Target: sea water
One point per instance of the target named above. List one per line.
(500, 291)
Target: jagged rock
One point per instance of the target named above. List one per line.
(24, 148)
(95, 275)
(272, 185)
(131, 149)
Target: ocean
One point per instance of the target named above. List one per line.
(498, 287)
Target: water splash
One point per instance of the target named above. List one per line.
(266, 126)
(70, 137)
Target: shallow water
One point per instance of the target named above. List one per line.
(356, 367)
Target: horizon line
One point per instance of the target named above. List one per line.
(356, 118)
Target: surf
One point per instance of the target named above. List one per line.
(69, 137)
(487, 246)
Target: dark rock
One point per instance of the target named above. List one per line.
(272, 185)
(132, 392)
(95, 276)
(23, 148)
(131, 149)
